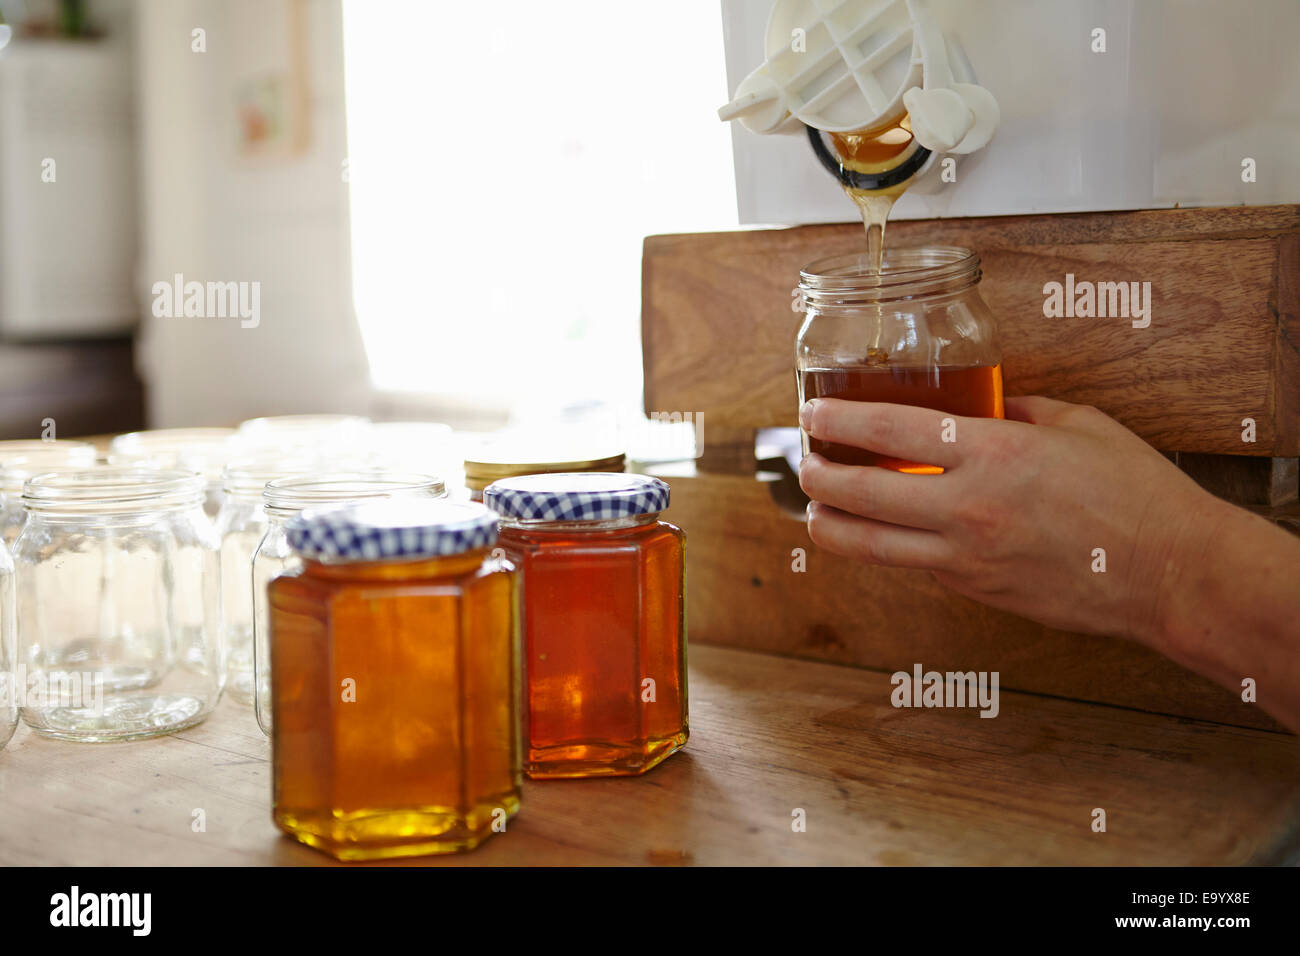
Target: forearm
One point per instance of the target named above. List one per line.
(1229, 606)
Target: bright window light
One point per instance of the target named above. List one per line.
(506, 161)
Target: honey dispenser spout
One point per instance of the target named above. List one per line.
(844, 66)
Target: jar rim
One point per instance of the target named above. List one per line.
(16, 470)
(170, 438)
(905, 273)
(205, 450)
(580, 524)
(25, 447)
(297, 492)
(111, 490)
(248, 477)
(278, 424)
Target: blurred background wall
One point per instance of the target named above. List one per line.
(69, 223)
(214, 207)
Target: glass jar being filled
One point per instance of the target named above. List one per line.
(283, 498)
(604, 620)
(116, 573)
(394, 662)
(915, 333)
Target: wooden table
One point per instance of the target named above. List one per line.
(769, 735)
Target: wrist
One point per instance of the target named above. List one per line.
(1182, 560)
(1225, 602)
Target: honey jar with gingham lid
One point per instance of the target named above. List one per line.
(604, 633)
(394, 680)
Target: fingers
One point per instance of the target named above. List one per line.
(875, 542)
(1069, 417)
(897, 431)
(914, 501)
(1035, 409)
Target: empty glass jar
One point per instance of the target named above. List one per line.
(303, 435)
(421, 447)
(283, 498)
(240, 527)
(19, 460)
(8, 651)
(205, 450)
(116, 575)
(916, 333)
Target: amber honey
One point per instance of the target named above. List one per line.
(875, 151)
(974, 391)
(603, 645)
(395, 695)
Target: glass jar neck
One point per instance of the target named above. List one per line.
(397, 569)
(278, 516)
(285, 497)
(283, 509)
(245, 496)
(112, 493)
(924, 274)
(570, 527)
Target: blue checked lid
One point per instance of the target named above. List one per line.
(390, 529)
(576, 496)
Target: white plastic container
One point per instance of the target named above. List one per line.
(848, 65)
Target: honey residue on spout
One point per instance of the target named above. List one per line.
(875, 151)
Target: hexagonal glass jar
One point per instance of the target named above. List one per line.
(394, 680)
(604, 620)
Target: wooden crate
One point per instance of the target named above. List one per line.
(1223, 344)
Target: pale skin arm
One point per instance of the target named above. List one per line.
(1014, 519)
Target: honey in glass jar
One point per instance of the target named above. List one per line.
(604, 620)
(394, 660)
(914, 332)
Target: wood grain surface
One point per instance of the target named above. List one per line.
(744, 591)
(878, 785)
(1224, 342)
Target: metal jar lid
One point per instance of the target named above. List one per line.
(492, 464)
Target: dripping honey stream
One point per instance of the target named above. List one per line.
(974, 391)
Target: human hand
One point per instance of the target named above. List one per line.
(1016, 518)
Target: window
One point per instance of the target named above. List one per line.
(506, 161)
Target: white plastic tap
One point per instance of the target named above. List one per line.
(849, 65)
